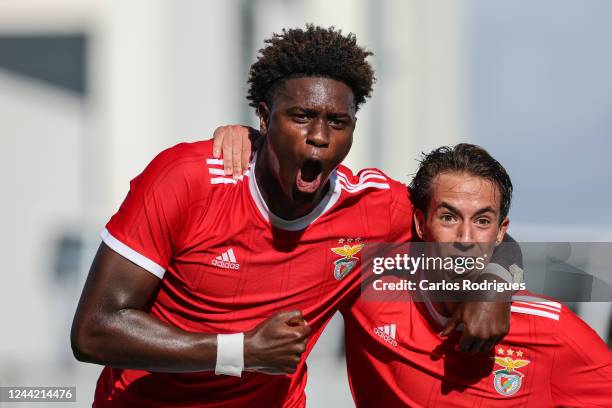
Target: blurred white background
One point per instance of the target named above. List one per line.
(91, 90)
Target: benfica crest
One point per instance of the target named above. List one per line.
(508, 381)
(347, 263)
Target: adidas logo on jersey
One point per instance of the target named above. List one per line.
(387, 333)
(226, 260)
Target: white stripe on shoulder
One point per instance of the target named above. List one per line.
(222, 180)
(127, 252)
(214, 161)
(534, 299)
(363, 186)
(371, 172)
(216, 171)
(362, 178)
(361, 182)
(367, 180)
(535, 312)
(536, 305)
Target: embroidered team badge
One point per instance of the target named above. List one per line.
(346, 264)
(508, 381)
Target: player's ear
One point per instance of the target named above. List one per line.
(503, 227)
(419, 222)
(264, 118)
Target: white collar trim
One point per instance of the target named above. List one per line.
(301, 223)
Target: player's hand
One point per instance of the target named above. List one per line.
(276, 345)
(484, 325)
(234, 143)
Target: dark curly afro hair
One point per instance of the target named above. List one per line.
(313, 51)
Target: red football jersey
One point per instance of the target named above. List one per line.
(226, 264)
(396, 358)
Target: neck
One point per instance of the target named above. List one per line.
(277, 200)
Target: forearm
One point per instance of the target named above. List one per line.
(131, 338)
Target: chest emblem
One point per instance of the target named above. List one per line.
(347, 263)
(508, 381)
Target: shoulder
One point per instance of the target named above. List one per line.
(534, 320)
(183, 157)
(372, 180)
(185, 174)
(189, 166)
(383, 196)
(529, 304)
(554, 321)
(574, 333)
(363, 180)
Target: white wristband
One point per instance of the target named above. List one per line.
(230, 354)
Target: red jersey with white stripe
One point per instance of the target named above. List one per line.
(226, 263)
(396, 358)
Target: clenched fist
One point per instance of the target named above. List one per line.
(276, 345)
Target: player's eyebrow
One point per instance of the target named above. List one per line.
(302, 109)
(485, 210)
(314, 112)
(449, 207)
(338, 115)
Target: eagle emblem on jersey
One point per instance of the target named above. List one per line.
(508, 381)
(346, 264)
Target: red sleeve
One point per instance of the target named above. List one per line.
(582, 366)
(149, 224)
(401, 210)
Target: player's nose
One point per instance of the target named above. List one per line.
(319, 133)
(464, 237)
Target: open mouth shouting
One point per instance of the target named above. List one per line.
(309, 176)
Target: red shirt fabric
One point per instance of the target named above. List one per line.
(226, 264)
(396, 358)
